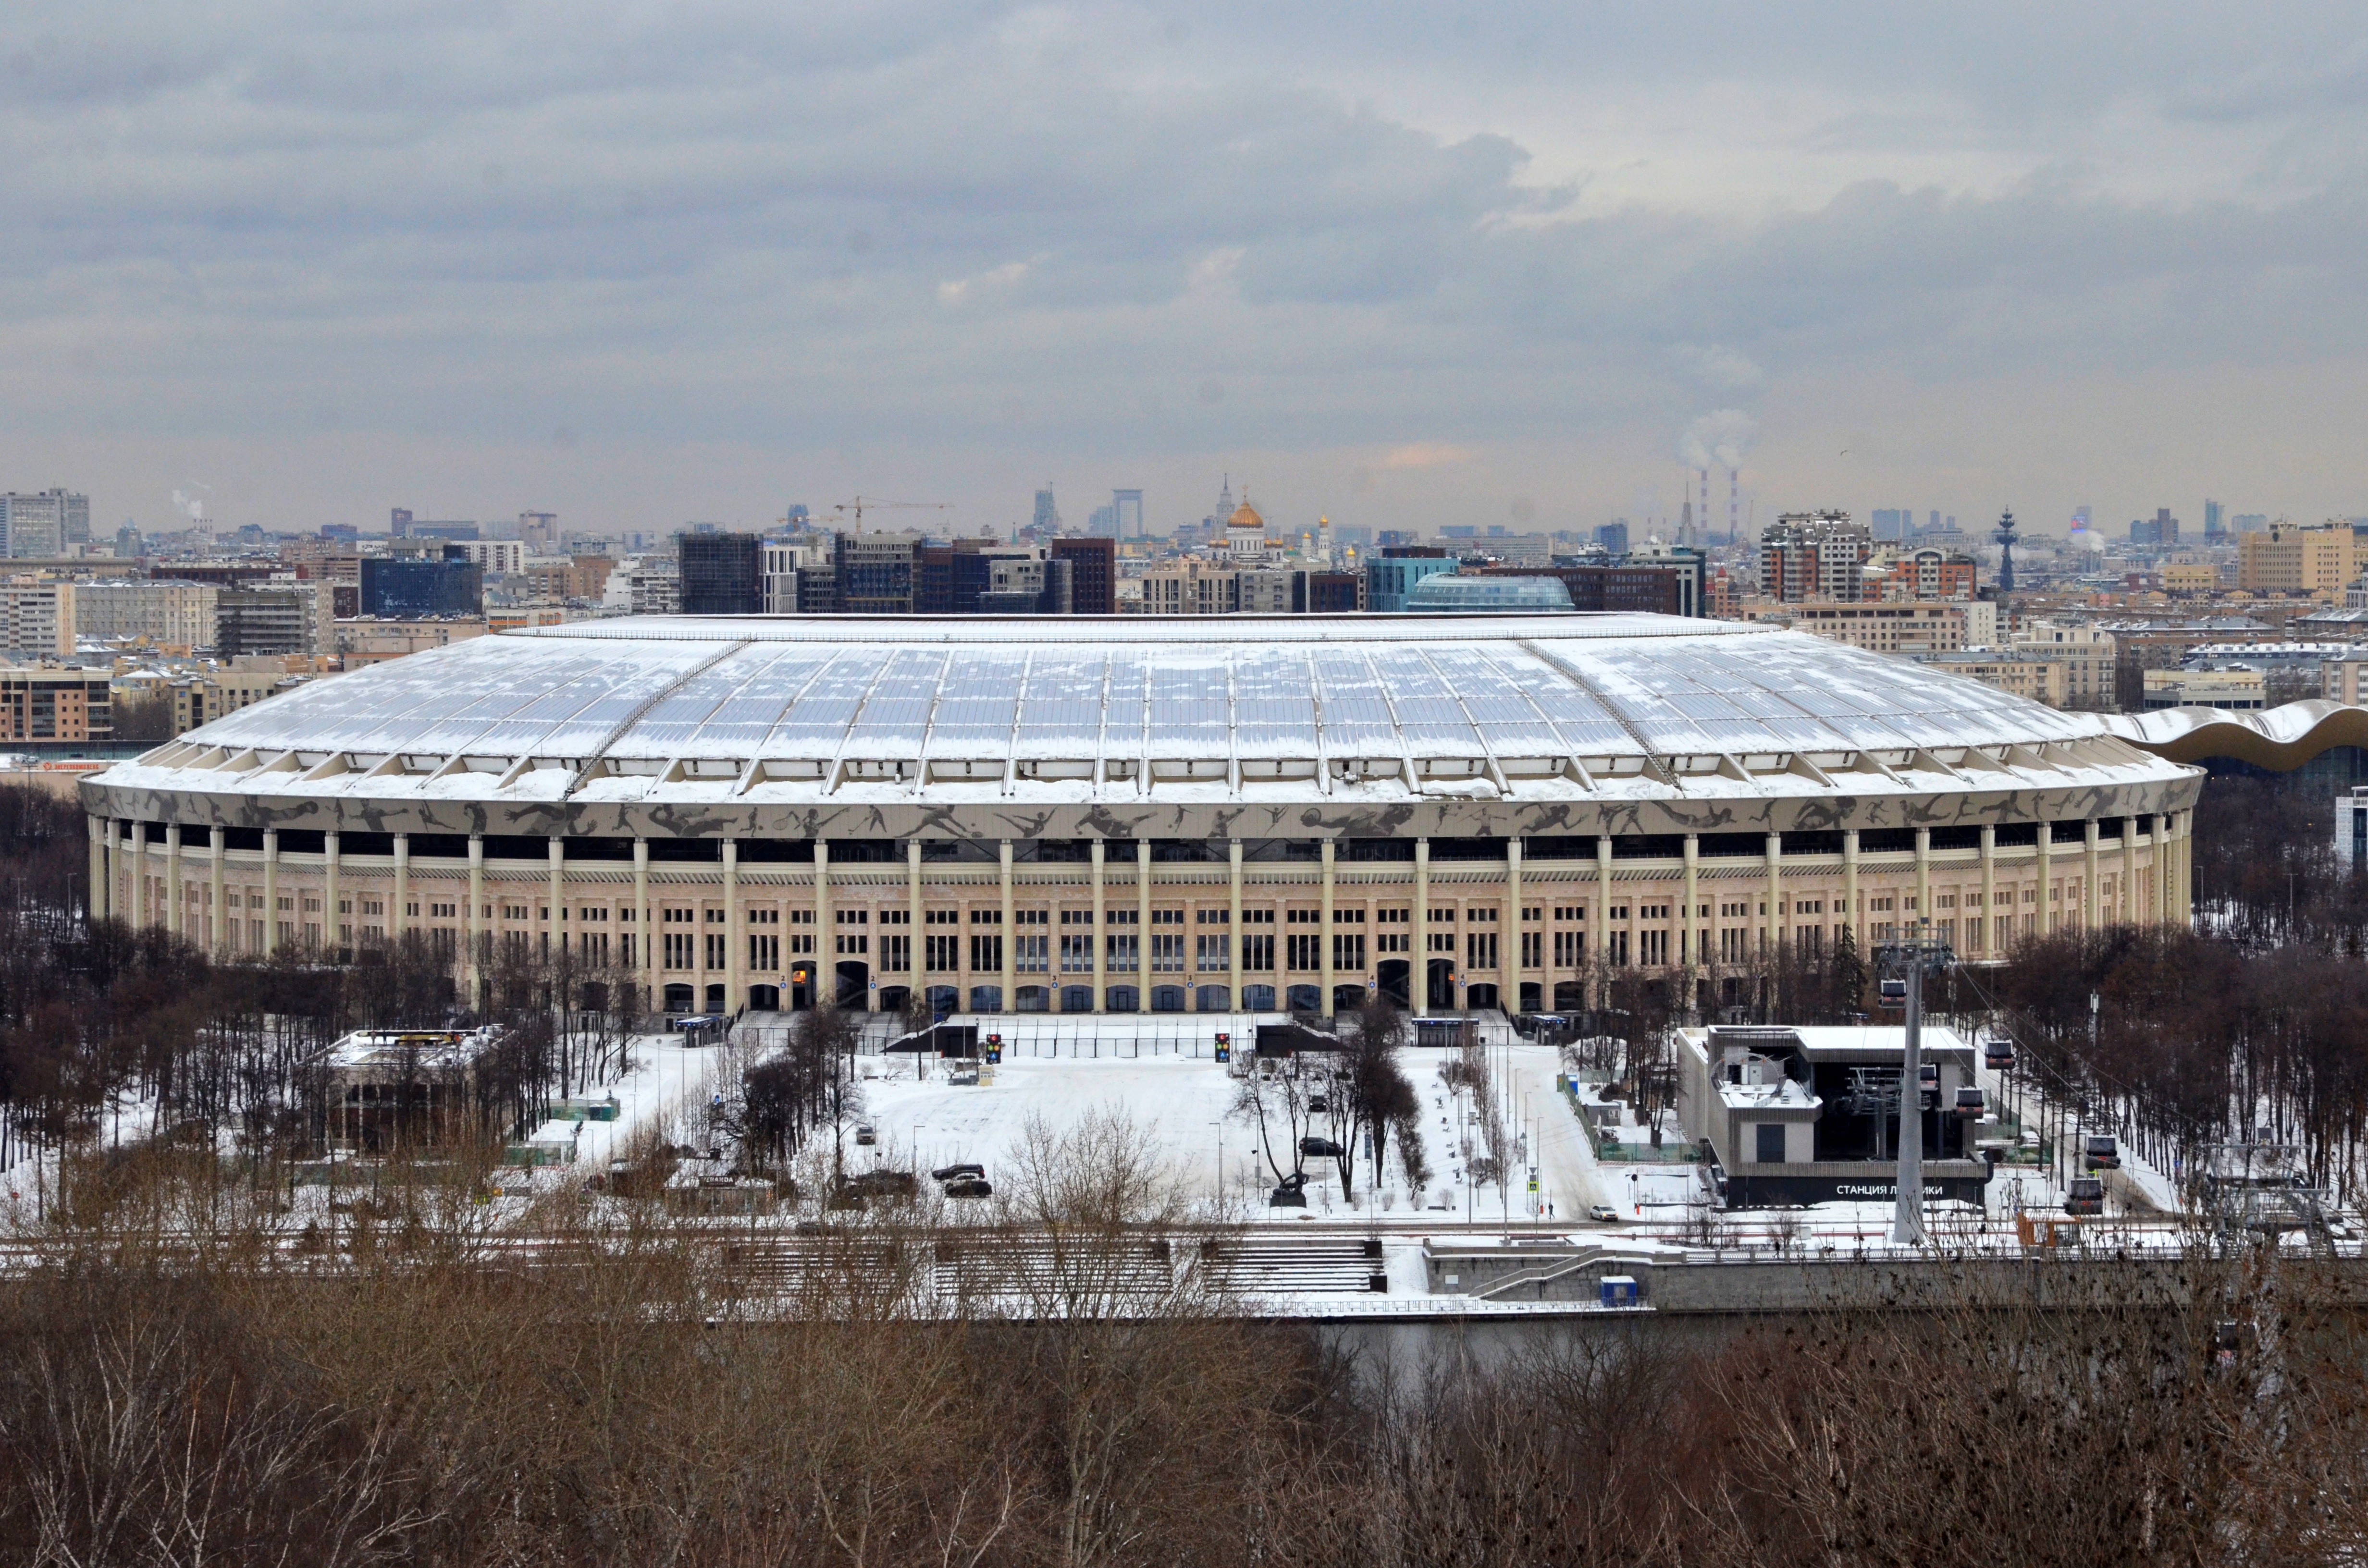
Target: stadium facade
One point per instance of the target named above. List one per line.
(1137, 814)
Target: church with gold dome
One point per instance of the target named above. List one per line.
(1245, 537)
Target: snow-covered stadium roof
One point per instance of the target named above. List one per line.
(855, 710)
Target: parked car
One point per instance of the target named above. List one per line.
(970, 1186)
(867, 1133)
(1603, 1214)
(1320, 1148)
(948, 1172)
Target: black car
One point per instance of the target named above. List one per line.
(970, 1186)
(1321, 1148)
(948, 1172)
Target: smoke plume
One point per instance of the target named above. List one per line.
(1718, 440)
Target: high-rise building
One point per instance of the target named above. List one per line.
(723, 573)
(1127, 504)
(875, 573)
(1614, 536)
(1814, 556)
(1093, 574)
(1391, 577)
(40, 617)
(1048, 517)
(398, 522)
(167, 614)
(265, 621)
(2213, 526)
(405, 589)
(1891, 523)
(539, 530)
(43, 526)
(2161, 529)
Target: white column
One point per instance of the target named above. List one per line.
(2093, 906)
(2125, 896)
(1010, 933)
(1775, 927)
(2184, 854)
(1923, 875)
(270, 889)
(1689, 953)
(139, 860)
(555, 851)
(397, 913)
(1324, 957)
(1101, 940)
(2046, 877)
(1604, 899)
(333, 924)
(2160, 901)
(1233, 920)
(645, 939)
(1143, 930)
(825, 982)
(224, 938)
(174, 899)
(734, 996)
(1419, 973)
(918, 944)
(95, 894)
(1508, 955)
(1851, 911)
(472, 929)
(1992, 944)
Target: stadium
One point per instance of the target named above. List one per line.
(1138, 815)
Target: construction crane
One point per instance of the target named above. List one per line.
(862, 504)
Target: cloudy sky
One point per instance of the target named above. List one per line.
(644, 263)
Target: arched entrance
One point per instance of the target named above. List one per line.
(944, 999)
(1076, 998)
(764, 998)
(1304, 999)
(1478, 996)
(1212, 999)
(1533, 996)
(1439, 984)
(1167, 998)
(1258, 999)
(1348, 998)
(716, 1002)
(987, 998)
(1393, 979)
(679, 999)
(892, 998)
(802, 987)
(854, 984)
(1125, 999)
(1033, 999)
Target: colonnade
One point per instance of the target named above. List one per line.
(147, 880)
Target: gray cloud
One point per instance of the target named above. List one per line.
(973, 239)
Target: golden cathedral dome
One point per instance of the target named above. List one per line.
(1246, 516)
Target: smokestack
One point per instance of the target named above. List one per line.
(1702, 511)
(1734, 505)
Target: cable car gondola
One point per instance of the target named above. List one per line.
(1972, 1102)
(1997, 1054)
(2085, 1196)
(1892, 993)
(2099, 1153)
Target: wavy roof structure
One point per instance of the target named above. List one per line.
(851, 709)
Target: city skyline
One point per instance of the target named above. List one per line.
(1409, 268)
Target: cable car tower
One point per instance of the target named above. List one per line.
(1906, 965)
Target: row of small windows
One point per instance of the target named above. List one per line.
(848, 852)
